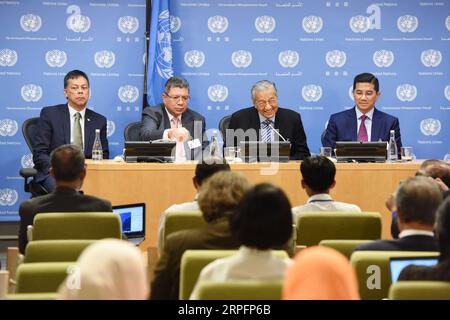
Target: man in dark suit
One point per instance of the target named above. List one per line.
(417, 200)
(69, 170)
(363, 122)
(259, 123)
(67, 123)
(173, 120)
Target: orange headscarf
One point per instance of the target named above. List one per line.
(320, 273)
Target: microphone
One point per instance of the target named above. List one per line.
(276, 131)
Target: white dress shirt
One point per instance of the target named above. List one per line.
(179, 145)
(367, 122)
(72, 112)
(324, 202)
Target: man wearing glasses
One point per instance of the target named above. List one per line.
(173, 120)
(265, 117)
(65, 124)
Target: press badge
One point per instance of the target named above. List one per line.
(194, 144)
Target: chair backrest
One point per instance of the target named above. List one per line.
(76, 225)
(224, 123)
(32, 296)
(29, 130)
(41, 276)
(373, 272)
(183, 220)
(131, 132)
(55, 250)
(193, 261)
(312, 227)
(420, 290)
(345, 247)
(240, 290)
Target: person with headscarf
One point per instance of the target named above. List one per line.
(320, 273)
(109, 269)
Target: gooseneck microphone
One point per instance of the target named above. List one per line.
(276, 131)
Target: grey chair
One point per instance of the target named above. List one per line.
(131, 132)
(223, 126)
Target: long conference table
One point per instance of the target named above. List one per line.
(160, 185)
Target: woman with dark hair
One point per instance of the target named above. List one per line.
(261, 221)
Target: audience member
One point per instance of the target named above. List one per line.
(320, 273)
(441, 271)
(69, 170)
(173, 120)
(109, 269)
(217, 199)
(261, 222)
(259, 122)
(67, 123)
(318, 173)
(203, 170)
(417, 199)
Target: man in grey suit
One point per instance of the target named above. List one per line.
(173, 120)
(69, 170)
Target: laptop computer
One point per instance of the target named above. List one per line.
(352, 151)
(397, 264)
(133, 221)
(150, 151)
(275, 151)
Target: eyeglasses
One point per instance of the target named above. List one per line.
(262, 104)
(177, 98)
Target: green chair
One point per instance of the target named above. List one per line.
(193, 261)
(312, 227)
(32, 296)
(177, 221)
(420, 290)
(55, 250)
(240, 290)
(76, 225)
(345, 247)
(373, 272)
(41, 277)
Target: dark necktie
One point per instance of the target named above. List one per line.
(362, 133)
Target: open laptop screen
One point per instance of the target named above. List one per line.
(133, 219)
(397, 264)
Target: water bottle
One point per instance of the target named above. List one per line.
(392, 147)
(214, 145)
(97, 151)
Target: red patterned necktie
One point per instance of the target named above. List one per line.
(362, 133)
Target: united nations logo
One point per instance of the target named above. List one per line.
(128, 24)
(128, 94)
(104, 59)
(31, 92)
(110, 128)
(430, 126)
(27, 161)
(164, 48)
(312, 24)
(194, 58)
(383, 58)
(431, 58)
(56, 58)
(30, 22)
(312, 93)
(217, 93)
(407, 23)
(241, 58)
(8, 127)
(359, 24)
(447, 23)
(406, 92)
(8, 57)
(175, 24)
(265, 24)
(447, 92)
(336, 58)
(218, 24)
(8, 197)
(76, 21)
(288, 58)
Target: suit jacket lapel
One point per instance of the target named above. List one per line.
(66, 123)
(89, 131)
(376, 125)
(353, 124)
(165, 122)
(254, 120)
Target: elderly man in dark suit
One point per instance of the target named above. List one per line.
(67, 123)
(69, 170)
(173, 120)
(363, 122)
(417, 200)
(260, 122)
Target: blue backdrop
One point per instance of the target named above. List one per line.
(311, 49)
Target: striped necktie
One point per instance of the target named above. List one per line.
(266, 130)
